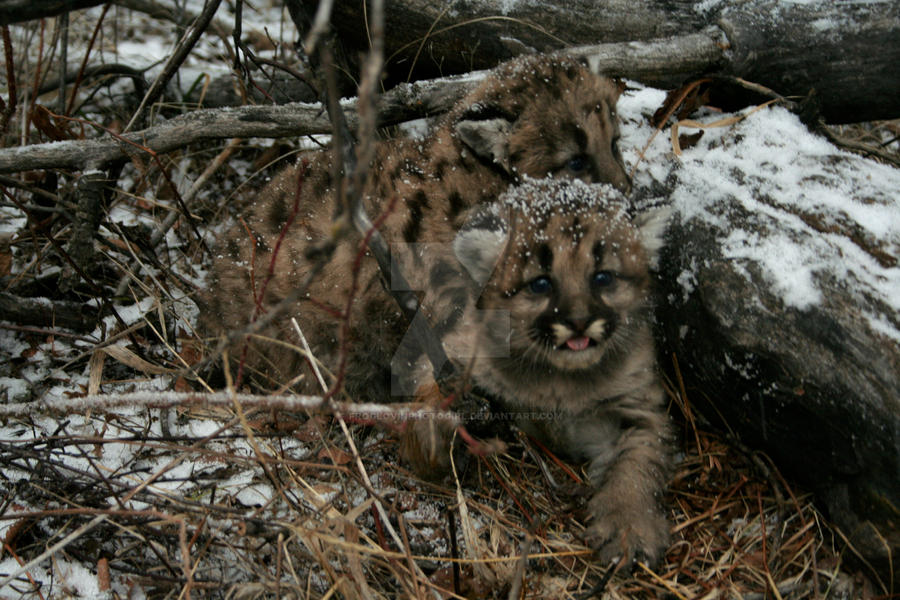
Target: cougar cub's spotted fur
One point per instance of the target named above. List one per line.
(560, 335)
(537, 116)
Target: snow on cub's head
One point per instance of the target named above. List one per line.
(570, 265)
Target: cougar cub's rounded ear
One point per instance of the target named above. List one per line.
(488, 139)
(652, 224)
(479, 243)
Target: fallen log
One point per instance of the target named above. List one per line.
(846, 51)
(780, 300)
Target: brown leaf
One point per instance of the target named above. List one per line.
(103, 582)
(689, 141)
(683, 100)
(311, 431)
(182, 385)
(335, 455)
(191, 349)
(5, 262)
(42, 119)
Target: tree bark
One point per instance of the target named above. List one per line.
(16, 11)
(846, 51)
(43, 312)
(779, 299)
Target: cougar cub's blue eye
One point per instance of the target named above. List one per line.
(577, 164)
(603, 278)
(540, 285)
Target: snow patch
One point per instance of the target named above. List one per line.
(797, 194)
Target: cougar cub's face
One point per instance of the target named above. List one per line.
(555, 118)
(569, 265)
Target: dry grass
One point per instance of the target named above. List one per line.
(261, 503)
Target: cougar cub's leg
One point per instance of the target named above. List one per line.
(629, 475)
(425, 442)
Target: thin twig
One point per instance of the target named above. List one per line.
(178, 57)
(84, 61)
(62, 24)
(53, 549)
(8, 109)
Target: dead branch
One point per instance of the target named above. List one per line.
(7, 109)
(288, 120)
(16, 11)
(47, 313)
(88, 213)
(178, 57)
(354, 160)
(395, 414)
(686, 54)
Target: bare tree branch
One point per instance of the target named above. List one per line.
(288, 120)
(178, 57)
(16, 11)
(405, 102)
(395, 413)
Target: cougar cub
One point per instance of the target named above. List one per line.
(560, 334)
(534, 116)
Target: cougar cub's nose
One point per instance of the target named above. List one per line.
(578, 324)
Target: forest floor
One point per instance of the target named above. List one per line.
(120, 476)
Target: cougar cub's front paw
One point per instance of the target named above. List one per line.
(425, 441)
(629, 534)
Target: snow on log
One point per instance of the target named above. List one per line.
(780, 298)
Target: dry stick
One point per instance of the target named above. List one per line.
(87, 54)
(155, 399)
(174, 214)
(26, 128)
(320, 25)
(355, 166)
(8, 109)
(53, 549)
(518, 580)
(236, 33)
(181, 52)
(63, 26)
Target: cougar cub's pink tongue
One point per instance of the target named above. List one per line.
(579, 343)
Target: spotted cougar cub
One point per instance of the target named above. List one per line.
(560, 335)
(536, 116)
